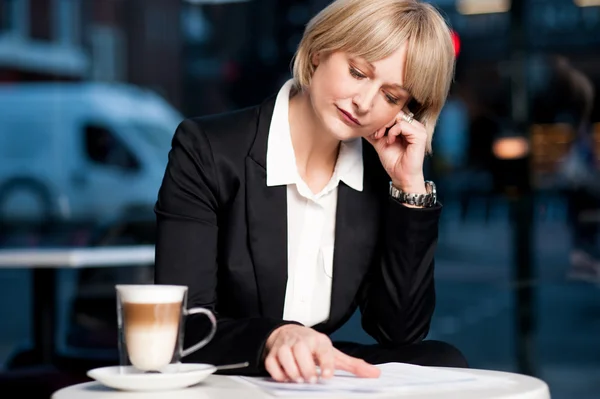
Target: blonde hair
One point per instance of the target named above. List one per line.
(374, 29)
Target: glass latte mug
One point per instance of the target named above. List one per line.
(150, 322)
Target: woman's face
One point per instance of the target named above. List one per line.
(353, 98)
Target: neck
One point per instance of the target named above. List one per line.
(315, 149)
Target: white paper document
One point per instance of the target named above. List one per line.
(394, 378)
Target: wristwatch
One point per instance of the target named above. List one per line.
(425, 200)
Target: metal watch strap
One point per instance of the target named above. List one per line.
(425, 200)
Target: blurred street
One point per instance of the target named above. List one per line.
(475, 302)
(475, 306)
(109, 82)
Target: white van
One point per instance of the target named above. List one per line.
(81, 152)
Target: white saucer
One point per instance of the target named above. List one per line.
(128, 378)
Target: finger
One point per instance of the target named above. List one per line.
(413, 135)
(405, 114)
(374, 141)
(395, 131)
(274, 369)
(412, 130)
(288, 363)
(372, 137)
(324, 357)
(381, 132)
(358, 367)
(305, 362)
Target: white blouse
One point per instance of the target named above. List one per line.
(311, 217)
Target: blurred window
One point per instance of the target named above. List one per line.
(103, 147)
(158, 136)
(67, 21)
(41, 19)
(108, 53)
(6, 15)
(14, 16)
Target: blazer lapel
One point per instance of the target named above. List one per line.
(356, 234)
(266, 209)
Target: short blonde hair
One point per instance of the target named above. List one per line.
(374, 29)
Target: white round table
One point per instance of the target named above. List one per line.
(221, 387)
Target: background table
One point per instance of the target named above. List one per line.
(44, 262)
(221, 387)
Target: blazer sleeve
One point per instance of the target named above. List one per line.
(186, 252)
(398, 298)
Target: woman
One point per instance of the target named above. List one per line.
(285, 217)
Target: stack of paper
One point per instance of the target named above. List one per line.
(394, 378)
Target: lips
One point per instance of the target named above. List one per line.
(349, 116)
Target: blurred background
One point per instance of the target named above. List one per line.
(91, 92)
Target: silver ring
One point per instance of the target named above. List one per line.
(408, 117)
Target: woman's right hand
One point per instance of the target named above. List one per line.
(293, 353)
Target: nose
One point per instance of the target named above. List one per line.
(364, 98)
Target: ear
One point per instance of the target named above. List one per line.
(315, 59)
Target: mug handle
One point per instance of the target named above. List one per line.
(210, 336)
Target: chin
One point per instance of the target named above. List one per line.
(348, 137)
(343, 132)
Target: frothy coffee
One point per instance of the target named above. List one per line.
(151, 324)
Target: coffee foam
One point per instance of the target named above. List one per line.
(151, 293)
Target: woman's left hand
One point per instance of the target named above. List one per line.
(402, 152)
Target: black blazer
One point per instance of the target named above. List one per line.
(223, 233)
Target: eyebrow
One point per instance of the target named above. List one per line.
(372, 67)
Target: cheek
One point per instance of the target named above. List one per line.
(330, 88)
(333, 84)
(383, 114)
(345, 88)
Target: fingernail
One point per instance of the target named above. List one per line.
(313, 380)
(300, 381)
(327, 373)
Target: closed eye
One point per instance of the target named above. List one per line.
(391, 99)
(355, 73)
